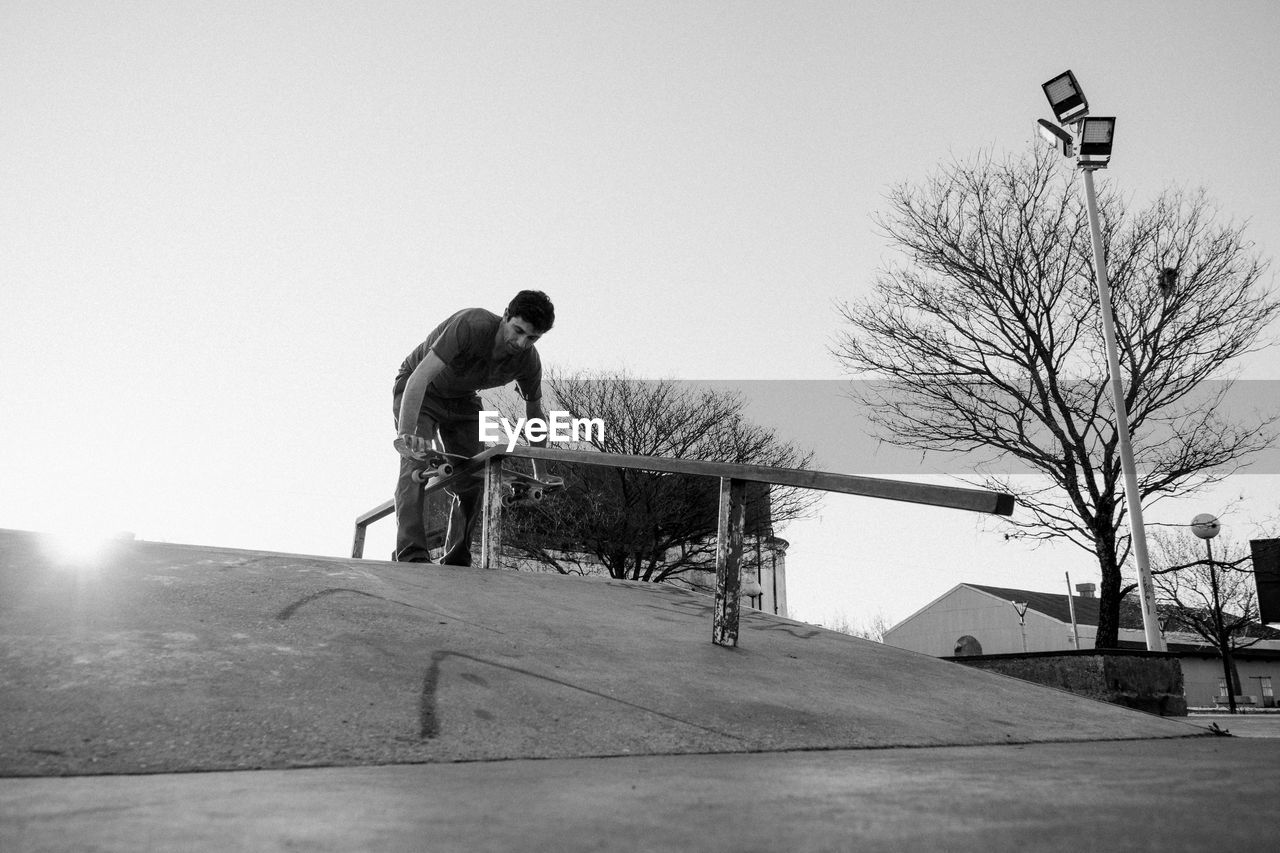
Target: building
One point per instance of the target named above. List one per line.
(973, 619)
(764, 575)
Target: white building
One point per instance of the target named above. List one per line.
(973, 619)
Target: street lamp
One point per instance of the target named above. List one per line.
(1021, 607)
(1066, 98)
(1056, 137)
(1091, 145)
(1206, 527)
(1096, 135)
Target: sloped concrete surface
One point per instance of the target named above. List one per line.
(159, 658)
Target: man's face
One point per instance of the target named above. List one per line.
(515, 334)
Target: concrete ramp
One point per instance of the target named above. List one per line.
(151, 657)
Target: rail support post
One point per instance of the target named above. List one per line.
(357, 542)
(729, 561)
(491, 515)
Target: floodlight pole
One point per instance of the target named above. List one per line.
(1133, 499)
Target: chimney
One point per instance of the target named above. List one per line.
(1087, 590)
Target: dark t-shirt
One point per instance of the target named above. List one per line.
(464, 343)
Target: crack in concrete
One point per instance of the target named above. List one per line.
(428, 719)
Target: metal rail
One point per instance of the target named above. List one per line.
(733, 478)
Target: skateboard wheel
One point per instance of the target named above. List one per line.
(535, 494)
(422, 475)
(509, 500)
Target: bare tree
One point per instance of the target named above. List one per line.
(988, 341)
(1216, 600)
(643, 525)
(873, 629)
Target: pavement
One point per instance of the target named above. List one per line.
(162, 697)
(1245, 724)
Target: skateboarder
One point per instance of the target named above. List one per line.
(435, 399)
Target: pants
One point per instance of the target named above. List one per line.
(454, 424)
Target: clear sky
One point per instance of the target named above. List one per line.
(223, 225)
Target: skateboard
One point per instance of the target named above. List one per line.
(520, 487)
(436, 465)
(525, 488)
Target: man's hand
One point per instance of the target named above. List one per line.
(413, 447)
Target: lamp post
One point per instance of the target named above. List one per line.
(1021, 607)
(1090, 144)
(1071, 605)
(1206, 527)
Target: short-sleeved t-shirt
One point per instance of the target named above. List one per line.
(464, 343)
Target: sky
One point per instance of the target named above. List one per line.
(224, 224)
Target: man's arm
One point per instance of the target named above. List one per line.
(533, 409)
(411, 401)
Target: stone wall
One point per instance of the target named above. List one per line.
(1147, 681)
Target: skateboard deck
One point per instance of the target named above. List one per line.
(527, 488)
(435, 465)
(520, 487)
(438, 464)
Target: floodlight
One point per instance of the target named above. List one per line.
(1066, 98)
(1057, 137)
(1096, 135)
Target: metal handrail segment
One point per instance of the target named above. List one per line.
(954, 497)
(732, 477)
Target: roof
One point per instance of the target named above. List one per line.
(1056, 607)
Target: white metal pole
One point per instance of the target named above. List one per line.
(1133, 499)
(1071, 605)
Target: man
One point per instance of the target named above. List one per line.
(435, 400)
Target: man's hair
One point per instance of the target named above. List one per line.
(533, 307)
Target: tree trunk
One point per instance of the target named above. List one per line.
(1108, 594)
